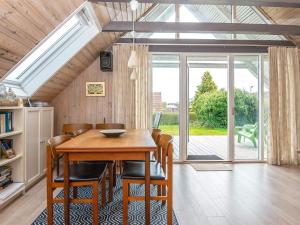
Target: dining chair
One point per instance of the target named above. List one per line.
(80, 175)
(78, 132)
(161, 174)
(73, 130)
(110, 126)
(157, 119)
(69, 128)
(153, 156)
(112, 167)
(155, 136)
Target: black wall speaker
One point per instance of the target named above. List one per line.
(106, 61)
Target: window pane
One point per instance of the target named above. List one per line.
(266, 106)
(246, 115)
(165, 95)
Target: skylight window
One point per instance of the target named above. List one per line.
(20, 72)
(54, 50)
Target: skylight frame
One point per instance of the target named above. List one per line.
(21, 71)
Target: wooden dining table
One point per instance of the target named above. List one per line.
(135, 144)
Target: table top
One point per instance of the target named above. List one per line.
(92, 140)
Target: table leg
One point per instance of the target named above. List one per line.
(147, 188)
(66, 188)
(49, 188)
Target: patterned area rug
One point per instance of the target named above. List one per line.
(112, 213)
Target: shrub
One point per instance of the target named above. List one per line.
(246, 107)
(170, 118)
(211, 109)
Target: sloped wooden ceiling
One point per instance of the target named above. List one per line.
(285, 16)
(23, 23)
(105, 13)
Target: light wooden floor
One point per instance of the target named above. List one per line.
(252, 194)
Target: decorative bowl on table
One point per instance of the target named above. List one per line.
(112, 132)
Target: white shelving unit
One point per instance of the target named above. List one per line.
(32, 127)
(17, 163)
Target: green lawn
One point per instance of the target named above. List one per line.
(174, 130)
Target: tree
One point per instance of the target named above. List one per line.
(207, 85)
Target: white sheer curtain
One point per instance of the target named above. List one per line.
(131, 98)
(284, 105)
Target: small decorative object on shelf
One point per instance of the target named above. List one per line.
(3, 92)
(11, 95)
(20, 102)
(7, 98)
(7, 149)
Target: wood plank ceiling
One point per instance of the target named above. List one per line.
(23, 23)
(284, 16)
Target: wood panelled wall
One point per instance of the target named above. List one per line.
(72, 105)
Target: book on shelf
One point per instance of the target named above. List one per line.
(7, 150)
(6, 122)
(6, 177)
(7, 192)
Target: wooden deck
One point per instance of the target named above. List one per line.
(216, 145)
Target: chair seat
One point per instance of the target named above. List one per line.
(84, 172)
(99, 162)
(152, 159)
(136, 170)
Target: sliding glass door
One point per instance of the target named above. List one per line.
(215, 106)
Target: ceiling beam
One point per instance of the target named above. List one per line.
(259, 3)
(181, 27)
(156, 41)
(208, 49)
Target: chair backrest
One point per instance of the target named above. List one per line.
(72, 127)
(156, 120)
(51, 154)
(110, 126)
(155, 135)
(55, 141)
(78, 132)
(166, 147)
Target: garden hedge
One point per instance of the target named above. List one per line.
(172, 118)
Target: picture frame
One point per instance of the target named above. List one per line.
(95, 89)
